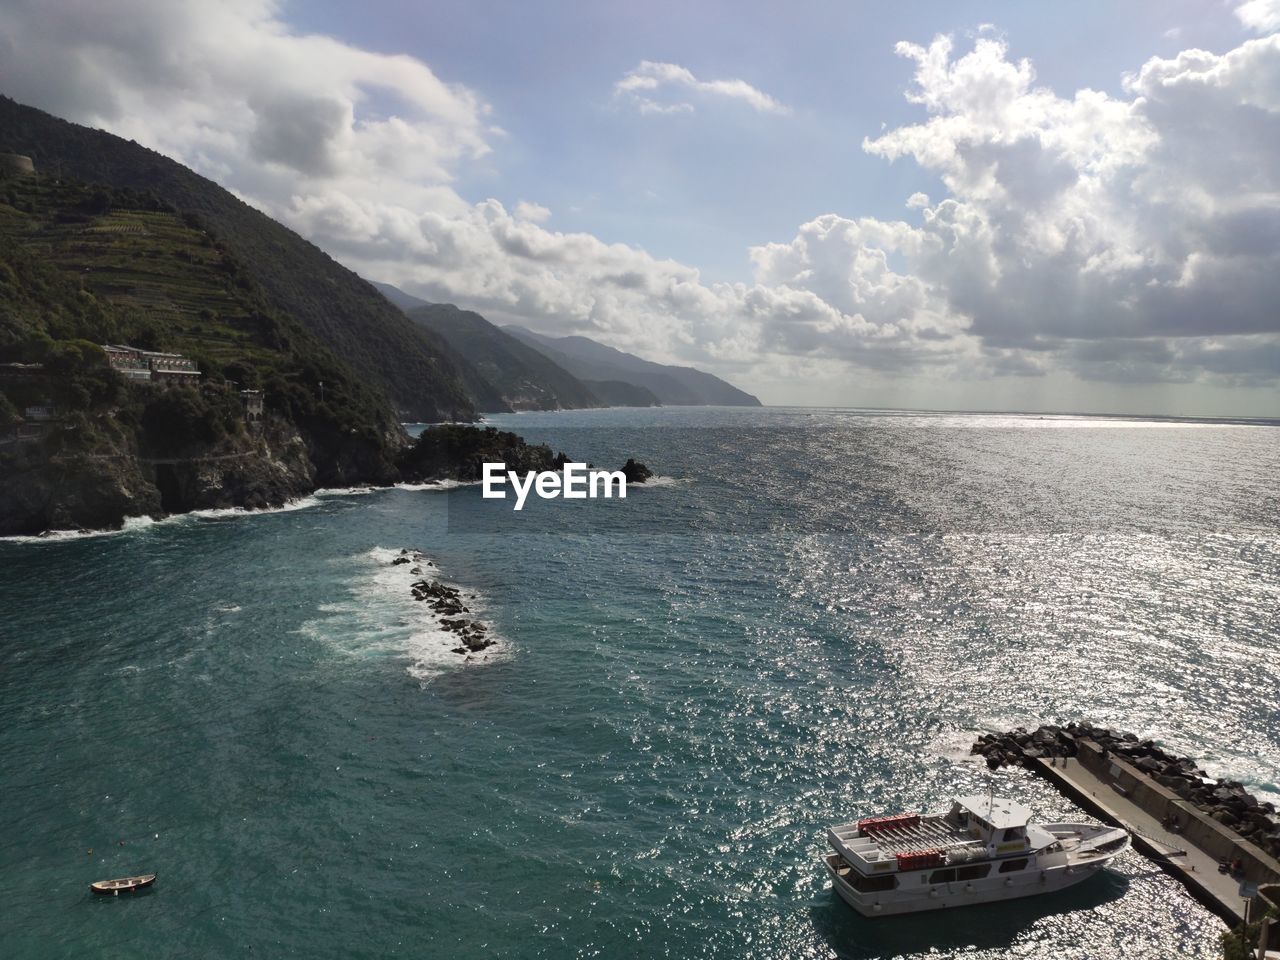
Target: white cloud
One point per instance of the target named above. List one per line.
(1154, 217)
(533, 212)
(650, 78)
(1261, 16)
(1119, 238)
(222, 84)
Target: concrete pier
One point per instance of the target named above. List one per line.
(1174, 853)
(1179, 817)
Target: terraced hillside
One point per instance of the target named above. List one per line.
(83, 265)
(134, 271)
(418, 371)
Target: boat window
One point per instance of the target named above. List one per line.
(871, 884)
(1010, 866)
(974, 872)
(942, 876)
(1014, 833)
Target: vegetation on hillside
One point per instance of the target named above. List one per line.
(522, 377)
(82, 265)
(417, 370)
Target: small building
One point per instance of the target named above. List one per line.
(252, 400)
(21, 372)
(171, 367)
(16, 164)
(38, 421)
(44, 411)
(127, 361)
(151, 365)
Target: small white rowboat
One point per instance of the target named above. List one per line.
(128, 884)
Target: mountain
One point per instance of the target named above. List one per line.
(675, 386)
(220, 399)
(617, 393)
(405, 301)
(83, 265)
(422, 376)
(524, 378)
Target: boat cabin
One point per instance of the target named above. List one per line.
(975, 831)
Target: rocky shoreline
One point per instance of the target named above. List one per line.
(1226, 801)
(60, 487)
(446, 603)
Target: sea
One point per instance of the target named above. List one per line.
(808, 617)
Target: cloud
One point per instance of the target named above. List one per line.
(532, 212)
(1119, 238)
(229, 86)
(1261, 16)
(650, 79)
(1093, 218)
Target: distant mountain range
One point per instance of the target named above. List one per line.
(531, 371)
(672, 385)
(522, 377)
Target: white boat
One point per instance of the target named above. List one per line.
(983, 850)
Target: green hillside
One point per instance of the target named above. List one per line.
(524, 378)
(421, 375)
(82, 265)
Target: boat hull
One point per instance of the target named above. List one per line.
(109, 888)
(915, 895)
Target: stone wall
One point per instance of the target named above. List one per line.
(1197, 826)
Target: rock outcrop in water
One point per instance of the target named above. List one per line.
(1226, 801)
(459, 452)
(635, 472)
(446, 603)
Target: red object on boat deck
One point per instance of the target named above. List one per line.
(919, 859)
(888, 823)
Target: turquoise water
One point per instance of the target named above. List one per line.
(810, 618)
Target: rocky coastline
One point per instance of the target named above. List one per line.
(1226, 801)
(97, 486)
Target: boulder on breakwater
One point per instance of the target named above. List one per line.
(446, 603)
(1226, 801)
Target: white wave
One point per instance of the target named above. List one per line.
(219, 513)
(139, 524)
(131, 525)
(346, 491)
(380, 618)
(661, 481)
(438, 485)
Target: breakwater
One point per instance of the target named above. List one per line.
(447, 604)
(1185, 820)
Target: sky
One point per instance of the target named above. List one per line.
(955, 205)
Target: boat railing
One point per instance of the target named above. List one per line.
(926, 835)
(877, 849)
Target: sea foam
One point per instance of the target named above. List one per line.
(380, 618)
